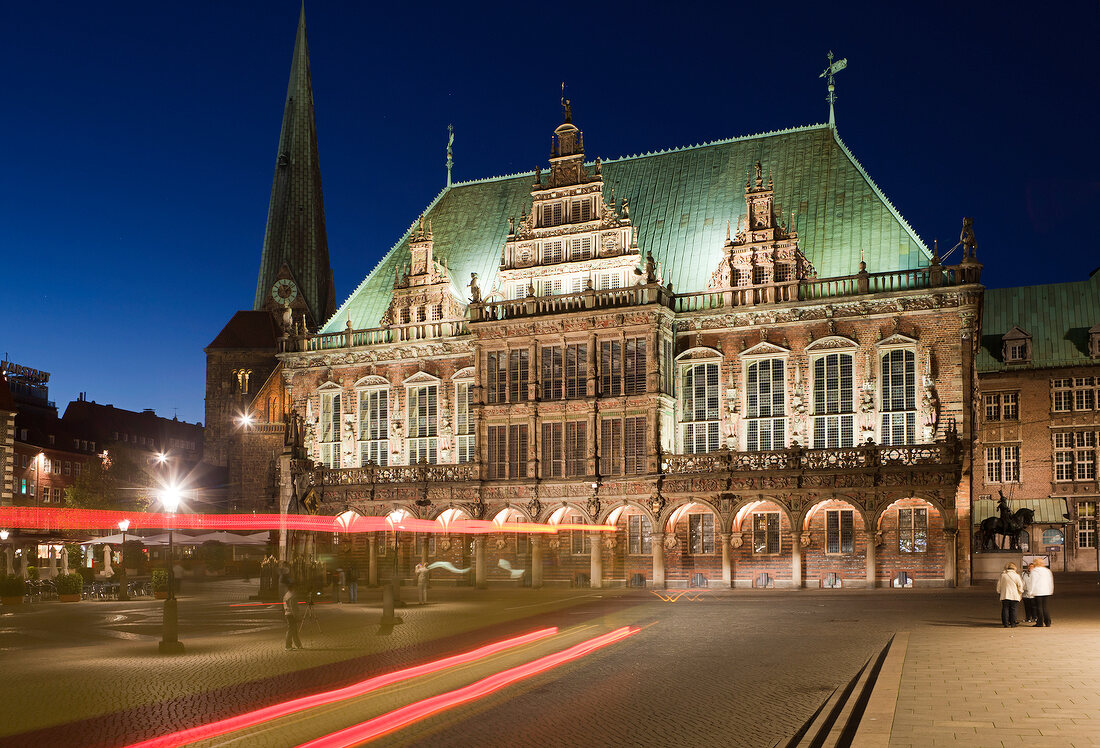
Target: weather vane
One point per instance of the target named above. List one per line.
(450, 155)
(832, 70)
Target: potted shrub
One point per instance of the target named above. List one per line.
(160, 583)
(12, 589)
(69, 587)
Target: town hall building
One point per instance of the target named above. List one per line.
(737, 355)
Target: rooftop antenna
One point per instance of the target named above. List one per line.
(832, 70)
(450, 154)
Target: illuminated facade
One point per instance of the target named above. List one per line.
(739, 355)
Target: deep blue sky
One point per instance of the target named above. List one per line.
(140, 139)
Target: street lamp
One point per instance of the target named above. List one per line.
(123, 586)
(8, 560)
(169, 641)
(391, 595)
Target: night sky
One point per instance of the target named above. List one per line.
(140, 140)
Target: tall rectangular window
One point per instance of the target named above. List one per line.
(374, 427)
(1002, 463)
(1086, 524)
(496, 376)
(517, 451)
(1084, 393)
(581, 541)
(330, 429)
(899, 397)
(634, 445)
(611, 368)
(701, 533)
(517, 376)
(553, 459)
(1084, 455)
(839, 532)
(834, 419)
(576, 448)
(496, 452)
(766, 398)
(553, 369)
(699, 408)
(1061, 395)
(765, 532)
(582, 210)
(634, 367)
(465, 434)
(611, 446)
(913, 530)
(576, 371)
(423, 424)
(639, 535)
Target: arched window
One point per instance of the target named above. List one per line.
(834, 407)
(899, 397)
(330, 428)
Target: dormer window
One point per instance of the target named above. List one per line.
(1094, 341)
(1016, 346)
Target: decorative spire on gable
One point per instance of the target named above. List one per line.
(295, 240)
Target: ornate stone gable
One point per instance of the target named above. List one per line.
(422, 290)
(763, 252)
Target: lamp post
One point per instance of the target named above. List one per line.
(8, 560)
(169, 641)
(123, 587)
(391, 594)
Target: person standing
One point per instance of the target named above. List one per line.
(422, 583)
(353, 585)
(341, 580)
(1029, 596)
(290, 610)
(1042, 586)
(1010, 588)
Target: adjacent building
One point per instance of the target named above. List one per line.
(739, 356)
(1039, 381)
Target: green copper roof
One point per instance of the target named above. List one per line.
(1057, 316)
(680, 201)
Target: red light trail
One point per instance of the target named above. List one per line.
(250, 719)
(99, 519)
(406, 715)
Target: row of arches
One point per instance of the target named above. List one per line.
(691, 543)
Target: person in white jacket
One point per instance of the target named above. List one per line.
(1029, 596)
(1010, 587)
(1042, 587)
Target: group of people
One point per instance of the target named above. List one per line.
(1034, 587)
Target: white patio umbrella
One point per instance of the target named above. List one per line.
(229, 538)
(116, 539)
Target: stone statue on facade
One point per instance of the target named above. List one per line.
(288, 320)
(650, 268)
(930, 404)
(967, 240)
(475, 290)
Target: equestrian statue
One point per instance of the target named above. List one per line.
(1010, 524)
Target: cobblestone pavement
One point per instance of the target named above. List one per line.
(740, 667)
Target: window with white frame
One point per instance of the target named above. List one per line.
(699, 408)
(374, 426)
(765, 532)
(1086, 524)
(913, 530)
(766, 401)
(465, 434)
(839, 531)
(1002, 463)
(549, 287)
(1075, 394)
(701, 533)
(834, 417)
(639, 535)
(423, 423)
(899, 397)
(1074, 455)
(609, 280)
(330, 428)
(1002, 406)
(552, 251)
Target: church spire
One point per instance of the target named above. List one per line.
(294, 265)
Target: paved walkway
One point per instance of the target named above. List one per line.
(973, 683)
(87, 674)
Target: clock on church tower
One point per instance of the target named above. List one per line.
(284, 291)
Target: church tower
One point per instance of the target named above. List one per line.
(294, 273)
(294, 264)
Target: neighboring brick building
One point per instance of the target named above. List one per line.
(738, 355)
(1039, 377)
(7, 444)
